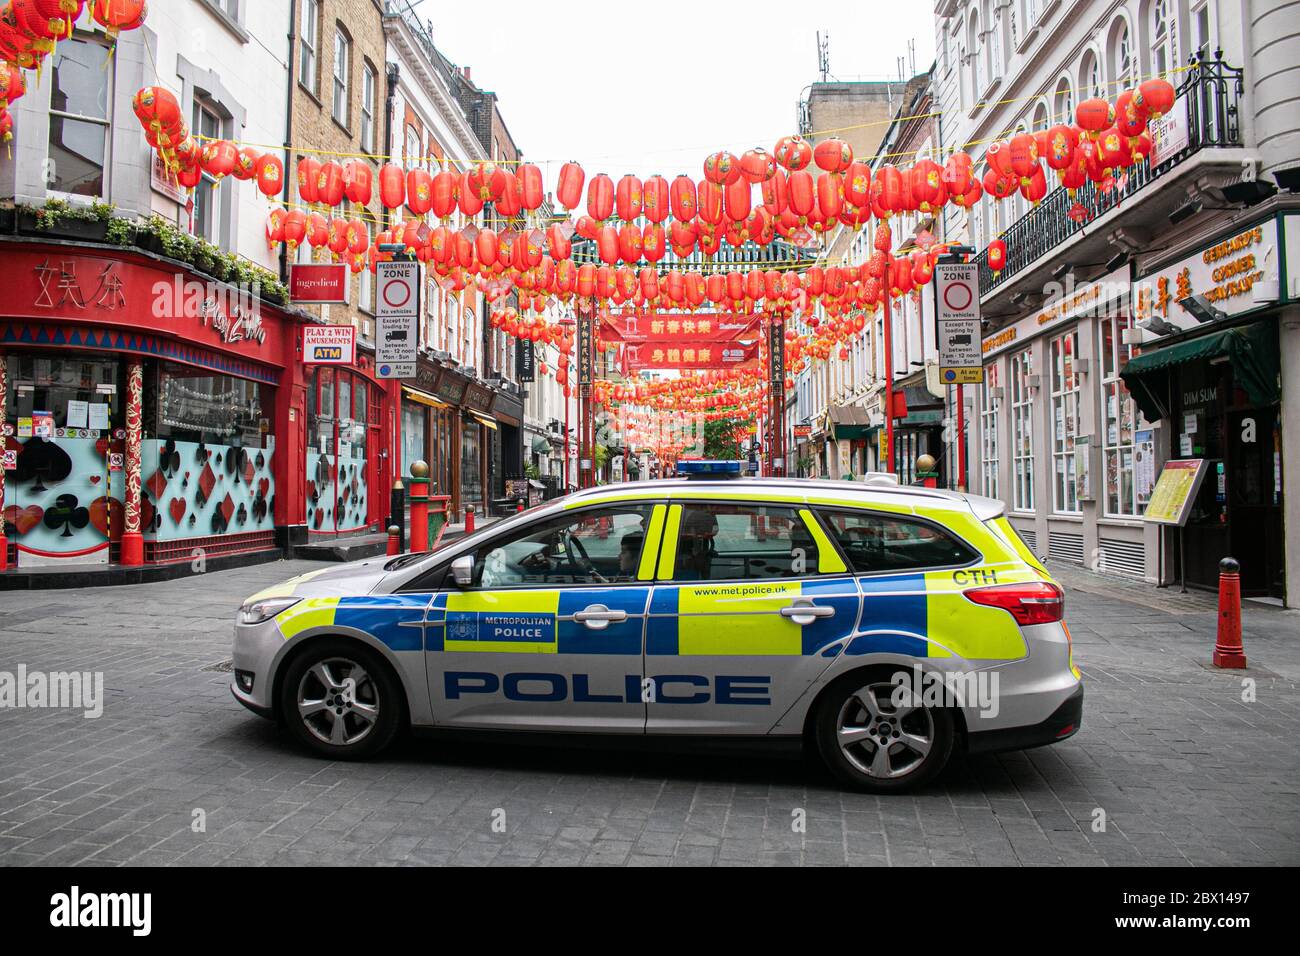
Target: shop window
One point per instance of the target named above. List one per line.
(80, 118)
(207, 466)
(1022, 432)
(64, 499)
(881, 543)
(471, 465)
(990, 407)
(725, 542)
(1064, 351)
(413, 421)
(1128, 443)
(337, 452)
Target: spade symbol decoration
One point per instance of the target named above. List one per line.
(42, 461)
(66, 514)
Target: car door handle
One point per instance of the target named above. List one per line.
(805, 612)
(598, 617)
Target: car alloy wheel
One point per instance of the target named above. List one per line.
(338, 702)
(880, 738)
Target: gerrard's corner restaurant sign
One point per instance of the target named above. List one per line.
(1234, 274)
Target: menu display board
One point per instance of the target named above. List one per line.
(1175, 491)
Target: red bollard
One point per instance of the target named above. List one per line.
(394, 540)
(519, 506)
(469, 519)
(1228, 651)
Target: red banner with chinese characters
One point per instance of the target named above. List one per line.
(686, 328)
(51, 286)
(672, 353)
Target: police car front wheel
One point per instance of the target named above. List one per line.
(872, 740)
(341, 701)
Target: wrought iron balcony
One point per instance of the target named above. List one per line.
(1211, 95)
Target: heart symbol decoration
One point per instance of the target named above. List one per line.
(264, 486)
(94, 479)
(177, 508)
(24, 519)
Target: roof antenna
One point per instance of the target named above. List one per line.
(824, 55)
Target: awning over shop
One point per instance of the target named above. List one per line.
(484, 420)
(424, 398)
(1251, 349)
(541, 446)
(850, 421)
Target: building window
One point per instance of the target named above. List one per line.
(342, 69)
(80, 119)
(1064, 350)
(309, 43)
(1022, 431)
(1122, 63)
(1064, 102)
(368, 108)
(990, 408)
(1090, 76)
(207, 197)
(1162, 56)
(1127, 444)
(1202, 31)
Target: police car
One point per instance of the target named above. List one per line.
(880, 626)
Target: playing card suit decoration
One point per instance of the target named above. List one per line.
(157, 484)
(150, 520)
(261, 461)
(21, 520)
(66, 514)
(94, 479)
(264, 486)
(170, 460)
(176, 507)
(259, 509)
(201, 454)
(249, 471)
(207, 481)
(227, 508)
(241, 516)
(107, 515)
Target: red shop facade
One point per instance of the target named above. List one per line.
(153, 415)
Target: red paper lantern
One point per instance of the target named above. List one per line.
(157, 110)
(358, 182)
(219, 158)
(793, 152)
(683, 199)
(1061, 142)
(829, 200)
(419, 191)
(246, 164)
(1023, 154)
(738, 199)
(116, 16)
(653, 242)
(308, 174)
(392, 185)
(722, 168)
(710, 202)
(569, 188)
(997, 256)
(927, 184)
(557, 243)
(833, 155)
(1130, 117)
(1094, 115)
(600, 197)
(12, 83)
(1156, 97)
(802, 192)
(628, 198)
(270, 175)
(295, 228)
(1036, 187)
(469, 199)
(445, 189)
(757, 165)
(532, 192)
(275, 227)
(329, 184)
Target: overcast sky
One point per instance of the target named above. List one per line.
(647, 87)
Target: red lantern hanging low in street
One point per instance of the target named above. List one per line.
(358, 182)
(793, 152)
(392, 186)
(1156, 96)
(722, 168)
(219, 158)
(1094, 115)
(116, 16)
(833, 155)
(308, 173)
(568, 190)
(329, 184)
(270, 175)
(600, 197)
(628, 197)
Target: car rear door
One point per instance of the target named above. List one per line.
(750, 605)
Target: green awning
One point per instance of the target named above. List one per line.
(855, 431)
(1251, 350)
(540, 445)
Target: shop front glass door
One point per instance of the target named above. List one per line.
(63, 497)
(337, 447)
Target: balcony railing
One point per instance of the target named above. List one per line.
(1211, 95)
(403, 10)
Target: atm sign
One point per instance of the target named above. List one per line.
(328, 344)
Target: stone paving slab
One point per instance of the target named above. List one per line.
(1181, 769)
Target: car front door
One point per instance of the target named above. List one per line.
(751, 604)
(549, 636)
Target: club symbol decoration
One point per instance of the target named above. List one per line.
(66, 514)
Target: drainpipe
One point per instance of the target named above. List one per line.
(389, 104)
(288, 126)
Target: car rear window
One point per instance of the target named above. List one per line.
(876, 542)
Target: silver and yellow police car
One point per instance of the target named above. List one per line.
(881, 627)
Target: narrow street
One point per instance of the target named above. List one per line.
(1184, 771)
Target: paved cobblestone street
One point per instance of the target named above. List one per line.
(1184, 771)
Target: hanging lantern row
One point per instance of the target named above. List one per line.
(31, 29)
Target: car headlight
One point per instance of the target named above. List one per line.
(255, 612)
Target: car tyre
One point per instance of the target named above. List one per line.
(871, 744)
(341, 700)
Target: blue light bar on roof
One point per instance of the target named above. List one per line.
(700, 468)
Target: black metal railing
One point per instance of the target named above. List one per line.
(1211, 95)
(402, 9)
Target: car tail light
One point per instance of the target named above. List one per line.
(1035, 602)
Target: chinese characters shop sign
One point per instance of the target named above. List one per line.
(1224, 273)
(46, 285)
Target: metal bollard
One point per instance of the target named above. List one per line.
(519, 506)
(469, 519)
(394, 540)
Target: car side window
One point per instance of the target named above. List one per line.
(728, 542)
(876, 542)
(600, 546)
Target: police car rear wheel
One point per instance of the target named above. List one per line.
(872, 742)
(341, 701)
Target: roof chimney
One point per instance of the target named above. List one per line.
(467, 77)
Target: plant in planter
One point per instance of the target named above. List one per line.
(65, 219)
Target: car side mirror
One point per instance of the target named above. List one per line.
(462, 570)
